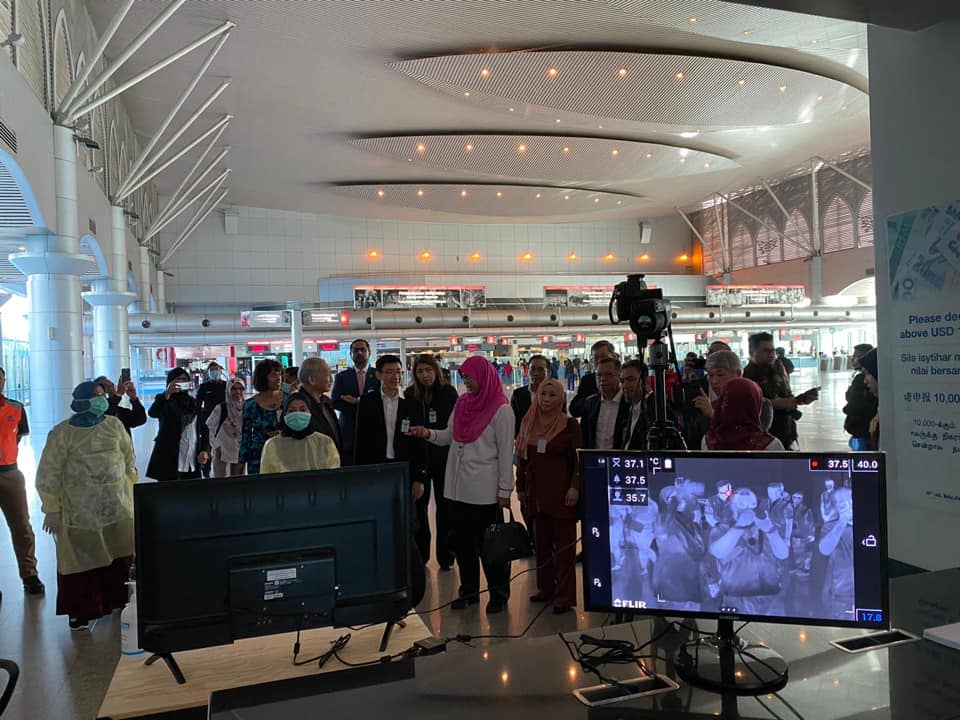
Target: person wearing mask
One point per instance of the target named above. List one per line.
(210, 394)
(479, 478)
(348, 387)
(869, 364)
(588, 383)
(291, 380)
(132, 417)
(13, 489)
(633, 375)
(261, 414)
(224, 427)
(384, 420)
(861, 405)
(775, 385)
(548, 477)
(722, 367)
(299, 446)
(85, 481)
(735, 424)
(178, 449)
(606, 414)
(315, 381)
(836, 544)
(436, 398)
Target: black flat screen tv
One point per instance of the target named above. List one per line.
(230, 558)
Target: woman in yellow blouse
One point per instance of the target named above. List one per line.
(299, 446)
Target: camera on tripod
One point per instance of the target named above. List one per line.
(646, 310)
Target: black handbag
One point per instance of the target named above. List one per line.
(506, 541)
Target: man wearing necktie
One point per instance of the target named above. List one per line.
(348, 387)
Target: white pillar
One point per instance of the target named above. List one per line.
(109, 298)
(53, 265)
(161, 288)
(296, 336)
(145, 279)
(727, 278)
(816, 279)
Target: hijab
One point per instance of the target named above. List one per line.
(82, 395)
(474, 411)
(869, 363)
(234, 409)
(537, 424)
(735, 424)
(309, 429)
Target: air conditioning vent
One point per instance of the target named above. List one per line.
(8, 136)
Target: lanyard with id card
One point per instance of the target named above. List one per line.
(541, 446)
(405, 426)
(432, 416)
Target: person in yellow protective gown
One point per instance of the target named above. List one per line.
(85, 481)
(299, 446)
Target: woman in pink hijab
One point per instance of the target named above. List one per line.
(479, 477)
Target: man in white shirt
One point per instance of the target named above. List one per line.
(384, 419)
(608, 412)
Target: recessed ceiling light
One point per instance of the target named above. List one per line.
(379, 193)
(741, 82)
(466, 94)
(782, 88)
(566, 197)
(557, 121)
(707, 165)
(468, 147)
(690, 134)
(419, 192)
(649, 155)
(499, 193)
(622, 72)
(512, 109)
(819, 98)
(683, 159)
(421, 148)
(747, 33)
(614, 152)
(644, 257)
(844, 108)
(572, 256)
(373, 254)
(609, 257)
(693, 21)
(553, 72)
(475, 256)
(21, 248)
(596, 199)
(619, 202)
(537, 196)
(426, 255)
(814, 42)
(527, 256)
(463, 193)
(485, 73)
(521, 148)
(679, 76)
(566, 149)
(683, 258)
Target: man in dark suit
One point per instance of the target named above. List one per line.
(538, 368)
(633, 376)
(348, 387)
(384, 420)
(607, 414)
(315, 380)
(588, 383)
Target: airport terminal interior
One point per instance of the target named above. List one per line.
(298, 298)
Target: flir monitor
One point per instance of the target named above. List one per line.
(771, 537)
(230, 558)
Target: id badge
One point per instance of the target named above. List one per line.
(405, 425)
(432, 415)
(541, 446)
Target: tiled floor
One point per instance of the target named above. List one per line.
(64, 675)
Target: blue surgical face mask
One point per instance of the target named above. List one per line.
(285, 387)
(214, 374)
(297, 421)
(99, 405)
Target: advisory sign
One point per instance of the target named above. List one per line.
(924, 288)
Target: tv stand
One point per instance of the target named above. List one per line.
(387, 631)
(724, 663)
(171, 664)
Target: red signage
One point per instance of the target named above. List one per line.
(258, 348)
(345, 318)
(329, 345)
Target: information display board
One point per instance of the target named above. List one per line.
(403, 297)
(740, 295)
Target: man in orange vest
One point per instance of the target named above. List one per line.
(13, 489)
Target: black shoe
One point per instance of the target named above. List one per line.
(461, 602)
(561, 609)
(496, 606)
(33, 586)
(76, 624)
(538, 598)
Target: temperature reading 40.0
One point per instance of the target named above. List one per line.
(866, 465)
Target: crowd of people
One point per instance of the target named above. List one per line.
(470, 451)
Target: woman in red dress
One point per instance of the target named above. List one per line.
(548, 475)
